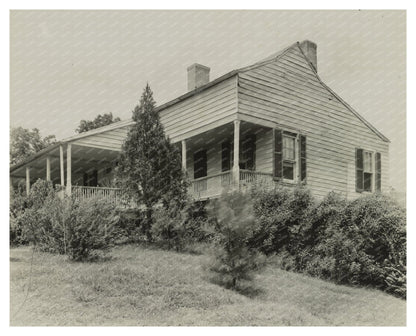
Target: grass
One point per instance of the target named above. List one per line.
(145, 286)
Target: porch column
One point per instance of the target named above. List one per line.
(48, 168)
(68, 170)
(236, 166)
(184, 155)
(61, 163)
(27, 180)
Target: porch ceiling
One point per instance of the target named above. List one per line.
(220, 134)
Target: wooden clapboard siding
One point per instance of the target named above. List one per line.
(112, 139)
(202, 111)
(288, 92)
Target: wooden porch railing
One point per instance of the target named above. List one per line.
(251, 177)
(214, 185)
(201, 188)
(113, 195)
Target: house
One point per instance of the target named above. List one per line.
(272, 122)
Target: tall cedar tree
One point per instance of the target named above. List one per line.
(150, 169)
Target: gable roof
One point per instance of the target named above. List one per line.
(272, 58)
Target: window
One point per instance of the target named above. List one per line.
(289, 156)
(368, 170)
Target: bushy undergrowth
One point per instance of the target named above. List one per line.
(78, 229)
(359, 242)
(181, 225)
(233, 261)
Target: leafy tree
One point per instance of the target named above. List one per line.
(99, 121)
(25, 142)
(150, 169)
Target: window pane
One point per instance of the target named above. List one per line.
(288, 148)
(367, 181)
(288, 170)
(368, 164)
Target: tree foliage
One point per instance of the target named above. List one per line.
(99, 121)
(234, 261)
(25, 142)
(150, 169)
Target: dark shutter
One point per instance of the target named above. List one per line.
(226, 156)
(200, 164)
(94, 178)
(378, 171)
(250, 152)
(302, 159)
(359, 170)
(277, 155)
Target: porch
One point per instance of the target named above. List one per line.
(232, 156)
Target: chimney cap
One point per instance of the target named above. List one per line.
(197, 65)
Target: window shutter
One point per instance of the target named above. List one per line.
(302, 158)
(226, 156)
(277, 155)
(378, 171)
(251, 152)
(200, 164)
(359, 170)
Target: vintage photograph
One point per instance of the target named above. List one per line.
(207, 168)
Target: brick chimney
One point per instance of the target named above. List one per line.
(309, 49)
(198, 75)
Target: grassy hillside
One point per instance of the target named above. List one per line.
(144, 286)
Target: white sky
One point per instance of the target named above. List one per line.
(71, 65)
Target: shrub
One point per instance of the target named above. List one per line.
(67, 226)
(233, 260)
(280, 215)
(17, 205)
(31, 215)
(129, 228)
(91, 226)
(359, 242)
(181, 225)
(169, 229)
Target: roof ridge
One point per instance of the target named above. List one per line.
(268, 59)
(342, 101)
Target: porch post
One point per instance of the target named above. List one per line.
(61, 163)
(184, 155)
(236, 166)
(27, 180)
(48, 168)
(68, 170)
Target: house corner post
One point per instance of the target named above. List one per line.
(68, 170)
(236, 166)
(184, 155)
(61, 165)
(27, 181)
(48, 168)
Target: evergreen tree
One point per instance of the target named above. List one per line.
(150, 169)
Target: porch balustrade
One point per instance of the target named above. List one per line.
(201, 188)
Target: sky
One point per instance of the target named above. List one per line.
(71, 65)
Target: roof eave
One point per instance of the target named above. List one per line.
(35, 156)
